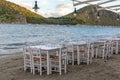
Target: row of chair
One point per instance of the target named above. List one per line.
(85, 53)
(35, 58)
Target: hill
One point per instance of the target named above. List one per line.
(13, 13)
(88, 16)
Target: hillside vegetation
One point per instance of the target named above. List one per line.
(88, 16)
(12, 13)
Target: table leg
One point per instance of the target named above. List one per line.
(48, 64)
(78, 55)
(116, 47)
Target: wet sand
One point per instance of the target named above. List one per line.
(11, 68)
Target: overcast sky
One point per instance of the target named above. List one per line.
(55, 8)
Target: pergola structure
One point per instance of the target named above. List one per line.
(98, 2)
(115, 8)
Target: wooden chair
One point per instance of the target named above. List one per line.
(71, 53)
(115, 47)
(85, 52)
(104, 49)
(27, 58)
(58, 61)
(38, 61)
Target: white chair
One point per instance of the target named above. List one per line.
(71, 53)
(118, 46)
(94, 49)
(58, 61)
(115, 46)
(108, 49)
(38, 61)
(27, 58)
(104, 49)
(85, 53)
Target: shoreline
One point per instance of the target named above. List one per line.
(12, 69)
(67, 25)
(8, 55)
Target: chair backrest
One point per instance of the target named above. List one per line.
(108, 45)
(85, 47)
(35, 52)
(26, 52)
(60, 53)
(63, 52)
(71, 47)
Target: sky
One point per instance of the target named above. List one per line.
(56, 8)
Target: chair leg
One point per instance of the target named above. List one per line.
(103, 54)
(78, 55)
(50, 68)
(67, 59)
(112, 49)
(92, 53)
(88, 59)
(33, 68)
(96, 53)
(87, 62)
(91, 60)
(33, 71)
(24, 66)
(78, 60)
(65, 66)
(40, 68)
(72, 58)
(60, 70)
(116, 47)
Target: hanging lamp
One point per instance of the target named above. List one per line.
(75, 12)
(98, 15)
(118, 17)
(35, 7)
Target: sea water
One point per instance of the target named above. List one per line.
(16, 36)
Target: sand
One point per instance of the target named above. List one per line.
(11, 68)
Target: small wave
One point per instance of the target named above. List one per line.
(6, 48)
(16, 44)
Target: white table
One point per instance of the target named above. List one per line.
(77, 43)
(111, 38)
(47, 49)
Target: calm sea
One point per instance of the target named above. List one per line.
(15, 36)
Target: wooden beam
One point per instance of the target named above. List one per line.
(109, 7)
(116, 9)
(76, 0)
(105, 2)
(83, 2)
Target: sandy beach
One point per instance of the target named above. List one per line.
(11, 68)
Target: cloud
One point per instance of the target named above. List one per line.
(64, 6)
(43, 2)
(60, 10)
(63, 9)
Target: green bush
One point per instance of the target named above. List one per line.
(8, 18)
